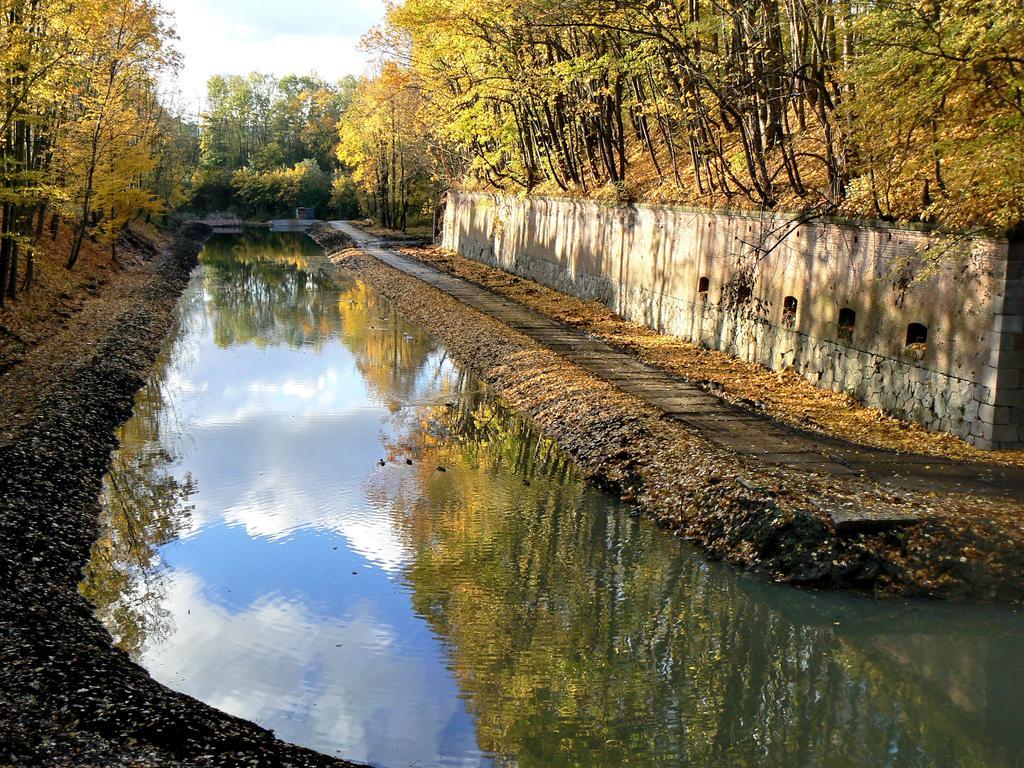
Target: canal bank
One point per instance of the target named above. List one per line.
(67, 697)
(268, 548)
(773, 518)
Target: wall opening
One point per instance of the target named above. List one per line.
(847, 324)
(789, 307)
(703, 286)
(917, 335)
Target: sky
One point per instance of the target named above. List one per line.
(239, 36)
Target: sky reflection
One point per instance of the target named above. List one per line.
(259, 557)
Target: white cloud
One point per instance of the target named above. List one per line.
(237, 37)
(307, 389)
(310, 493)
(343, 685)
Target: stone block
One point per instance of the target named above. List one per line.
(919, 375)
(1014, 268)
(980, 443)
(1008, 324)
(1009, 378)
(989, 378)
(1010, 359)
(995, 415)
(1005, 435)
(994, 340)
(1012, 398)
(1014, 288)
(999, 378)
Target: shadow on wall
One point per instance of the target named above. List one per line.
(853, 308)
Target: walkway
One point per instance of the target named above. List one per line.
(720, 422)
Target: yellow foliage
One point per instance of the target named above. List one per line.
(85, 135)
(889, 109)
(382, 141)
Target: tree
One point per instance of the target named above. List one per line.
(382, 140)
(279, 192)
(898, 108)
(108, 145)
(265, 127)
(939, 118)
(83, 133)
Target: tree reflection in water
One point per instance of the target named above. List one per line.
(269, 289)
(578, 635)
(389, 354)
(145, 507)
(583, 638)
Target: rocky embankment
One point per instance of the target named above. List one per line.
(67, 696)
(771, 519)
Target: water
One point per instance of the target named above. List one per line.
(502, 612)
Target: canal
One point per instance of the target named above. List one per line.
(318, 521)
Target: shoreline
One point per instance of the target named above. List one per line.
(770, 520)
(67, 695)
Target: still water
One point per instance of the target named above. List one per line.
(270, 550)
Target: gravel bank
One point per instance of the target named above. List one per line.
(771, 520)
(67, 696)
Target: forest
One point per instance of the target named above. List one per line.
(267, 145)
(85, 138)
(270, 145)
(899, 110)
(908, 110)
(97, 145)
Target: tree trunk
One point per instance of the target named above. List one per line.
(5, 250)
(12, 278)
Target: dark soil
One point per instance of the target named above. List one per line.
(67, 696)
(773, 520)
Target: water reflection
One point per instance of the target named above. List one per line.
(482, 605)
(265, 294)
(147, 508)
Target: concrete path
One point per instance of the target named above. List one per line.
(734, 428)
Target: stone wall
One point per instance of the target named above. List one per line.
(780, 291)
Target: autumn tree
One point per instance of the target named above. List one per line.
(280, 191)
(35, 49)
(382, 140)
(262, 125)
(939, 113)
(85, 136)
(898, 108)
(109, 151)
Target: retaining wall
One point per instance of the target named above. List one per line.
(780, 291)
